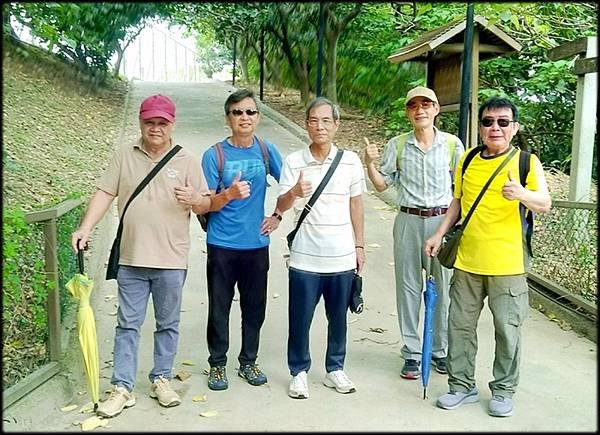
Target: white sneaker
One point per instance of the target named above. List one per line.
(162, 391)
(299, 386)
(118, 400)
(340, 381)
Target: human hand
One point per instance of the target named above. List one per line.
(238, 189)
(360, 259)
(371, 152)
(432, 245)
(512, 189)
(302, 188)
(79, 239)
(187, 194)
(269, 224)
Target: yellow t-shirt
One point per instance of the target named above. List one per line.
(494, 240)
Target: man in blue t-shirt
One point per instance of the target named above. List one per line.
(238, 236)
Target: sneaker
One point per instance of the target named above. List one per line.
(161, 390)
(340, 381)
(217, 378)
(454, 399)
(118, 400)
(252, 374)
(410, 370)
(299, 386)
(440, 365)
(500, 406)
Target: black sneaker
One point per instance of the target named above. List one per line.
(440, 365)
(252, 374)
(411, 369)
(217, 378)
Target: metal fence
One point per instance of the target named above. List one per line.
(565, 248)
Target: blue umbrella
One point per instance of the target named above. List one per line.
(430, 296)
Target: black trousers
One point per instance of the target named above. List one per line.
(224, 269)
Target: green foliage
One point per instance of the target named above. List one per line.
(213, 55)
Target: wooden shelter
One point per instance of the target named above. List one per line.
(442, 50)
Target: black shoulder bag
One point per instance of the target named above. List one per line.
(314, 197)
(113, 260)
(447, 253)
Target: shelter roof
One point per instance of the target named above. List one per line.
(448, 40)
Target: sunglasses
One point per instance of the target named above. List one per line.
(239, 112)
(414, 105)
(502, 122)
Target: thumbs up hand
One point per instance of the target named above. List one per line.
(512, 190)
(302, 188)
(238, 189)
(371, 152)
(186, 194)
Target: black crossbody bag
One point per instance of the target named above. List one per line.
(113, 261)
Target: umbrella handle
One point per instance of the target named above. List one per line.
(80, 260)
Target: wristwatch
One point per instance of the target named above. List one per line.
(277, 215)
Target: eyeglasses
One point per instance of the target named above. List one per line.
(414, 105)
(313, 122)
(239, 112)
(502, 122)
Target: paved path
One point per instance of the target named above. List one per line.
(558, 390)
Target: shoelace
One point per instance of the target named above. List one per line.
(114, 394)
(498, 398)
(253, 369)
(161, 384)
(218, 372)
(341, 377)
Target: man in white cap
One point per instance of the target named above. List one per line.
(153, 250)
(420, 164)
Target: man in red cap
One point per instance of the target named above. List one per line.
(420, 164)
(154, 247)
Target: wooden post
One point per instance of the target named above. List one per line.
(53, 301)
(474, 106)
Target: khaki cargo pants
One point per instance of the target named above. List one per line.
(508, 300)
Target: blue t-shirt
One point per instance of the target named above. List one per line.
(237, 224)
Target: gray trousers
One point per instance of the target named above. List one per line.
(508, 300)
(410, 233)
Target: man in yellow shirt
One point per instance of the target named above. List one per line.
(492, 259)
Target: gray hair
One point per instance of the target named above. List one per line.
(322, 101)
(238, 96)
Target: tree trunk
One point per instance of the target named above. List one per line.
(117, 66)
(331, 65)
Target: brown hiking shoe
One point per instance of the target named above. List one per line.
(118, 399)
(161, 390)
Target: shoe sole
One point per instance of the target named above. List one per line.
(330, 384)
(411, 376)
(127, 405)
(298, 395)
(218, 388)
(496, 414)
(468, 399)
(253, 383)
(168, 404)
(443, 372)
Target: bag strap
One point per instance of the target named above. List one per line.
(487, 184)
(308, 207)
(144, 182)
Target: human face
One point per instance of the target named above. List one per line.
(156, 132)
(421, 112)
(244, 124)
(494, 137)
(321, 126)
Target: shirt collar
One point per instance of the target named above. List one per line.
(309, 158)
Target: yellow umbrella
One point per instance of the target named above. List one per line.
(81, 287)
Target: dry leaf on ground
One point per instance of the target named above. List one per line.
(69, 408)
(188, 362)
(92, 423)
(208, 414)
(183, 375)
(199, 398)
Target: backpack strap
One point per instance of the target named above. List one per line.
(526, 214)
(220, 154)
(265, 153)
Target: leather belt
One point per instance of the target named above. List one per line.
(424, 212)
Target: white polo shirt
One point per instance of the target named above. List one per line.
(325, 241)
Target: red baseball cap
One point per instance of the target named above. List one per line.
(158, 106)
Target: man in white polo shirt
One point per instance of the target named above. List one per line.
(154, 248)
(327, 249)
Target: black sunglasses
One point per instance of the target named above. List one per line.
(238, 112)
(502, 122)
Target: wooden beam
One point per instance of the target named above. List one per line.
(483, 48)
(568, 49)
(29, 383)
(561, 291)
(586, 65)
(53, 212)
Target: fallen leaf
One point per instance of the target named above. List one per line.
(69, 408)
(208, 414)
(183, 375)
(378, 330)
(88, 407)
(92, 423)
(374, 245)
(275, 295)
(109, 297)
(112, 313)
(205, 371)
(391, 263)
(188, 362)
(199, 398)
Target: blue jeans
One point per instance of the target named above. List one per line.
(306, 289)
(135, 286)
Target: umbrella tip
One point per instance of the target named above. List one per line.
(424, 393)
